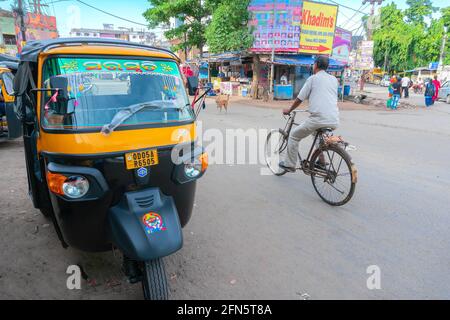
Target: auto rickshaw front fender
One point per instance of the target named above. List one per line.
(145, 225)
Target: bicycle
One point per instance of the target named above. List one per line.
(329, 165)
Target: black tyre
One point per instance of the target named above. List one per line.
(154, 281)
(336, 182)
(275, 150)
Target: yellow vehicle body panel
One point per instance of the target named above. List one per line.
(118, 141)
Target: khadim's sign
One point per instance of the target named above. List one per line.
(318, 28)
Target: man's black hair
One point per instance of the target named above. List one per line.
(323, 62)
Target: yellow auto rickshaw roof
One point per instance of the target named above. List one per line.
(4, 69)
(107, 50)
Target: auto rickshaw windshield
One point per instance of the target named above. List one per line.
(88, 93)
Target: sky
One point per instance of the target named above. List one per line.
(72, 14)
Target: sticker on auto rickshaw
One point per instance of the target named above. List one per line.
(153, 222)
(141, 159)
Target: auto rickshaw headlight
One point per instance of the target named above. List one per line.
(75, 187)
(195, 169)
(192, 170)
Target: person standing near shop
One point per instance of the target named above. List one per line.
(406, 84)
(284, 78)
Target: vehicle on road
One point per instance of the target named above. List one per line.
(114, 168)
(10, 126)
(333, 174)
(386, 81)
(444, 92)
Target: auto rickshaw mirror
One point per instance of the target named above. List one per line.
(62, 101)
(192, 83)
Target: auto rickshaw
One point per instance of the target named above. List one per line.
(10, 126)
(110, 145)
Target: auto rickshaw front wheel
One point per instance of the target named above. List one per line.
(154, 280)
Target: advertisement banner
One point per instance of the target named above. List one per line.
(281, 33)
(364, 59)
(318, 28)
(38, 27)
(342, 45)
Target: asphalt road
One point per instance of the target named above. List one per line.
(262, 237)
(382, 92)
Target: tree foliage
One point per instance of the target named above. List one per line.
(193, 13)
(409, 38)
(419, 10)
(221, 24)
(228, 30)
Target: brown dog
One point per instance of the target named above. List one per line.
(222, 102)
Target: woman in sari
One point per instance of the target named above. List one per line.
(437, 86)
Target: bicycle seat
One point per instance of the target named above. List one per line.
(325, 130)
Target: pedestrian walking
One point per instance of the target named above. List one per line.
(430, 91)
(395, 90)
(406, 84)
(437, 87)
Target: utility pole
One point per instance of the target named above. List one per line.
(372, 14)
(272, 69)
(442, 55)
(21, 15)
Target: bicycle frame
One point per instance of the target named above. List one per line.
(318, 137)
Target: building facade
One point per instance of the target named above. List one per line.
(109, 32)
(8, 42)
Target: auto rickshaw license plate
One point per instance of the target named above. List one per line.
(136, 160)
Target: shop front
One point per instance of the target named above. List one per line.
(292, 71)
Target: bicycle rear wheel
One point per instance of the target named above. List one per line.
(276, 149)
(335, 183)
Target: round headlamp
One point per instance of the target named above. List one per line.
(192, 170)
(75, 187)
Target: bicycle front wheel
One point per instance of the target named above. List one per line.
(276, 149)
(335, 179)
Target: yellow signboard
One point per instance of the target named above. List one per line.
(318, 27)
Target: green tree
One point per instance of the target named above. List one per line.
(410, 38)
(194, 14)
(394, 39)
(446, 16)
(228, 30)
(446, 20)
(419, 10)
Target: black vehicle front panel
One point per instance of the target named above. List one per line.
(84, 223)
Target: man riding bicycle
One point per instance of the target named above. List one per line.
(321, 90)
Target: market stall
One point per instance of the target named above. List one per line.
(297, 69)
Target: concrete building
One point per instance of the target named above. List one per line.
(109, 32)
(8, 42)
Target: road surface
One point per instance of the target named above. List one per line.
(380, 92)
(262, 237)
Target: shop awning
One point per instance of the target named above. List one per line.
(294, 60)
(305, 61)
(225, 57)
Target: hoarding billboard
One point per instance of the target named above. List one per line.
(38, 27)
(342, 45)
(317, 28)
(281, 32)
(364, 58)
